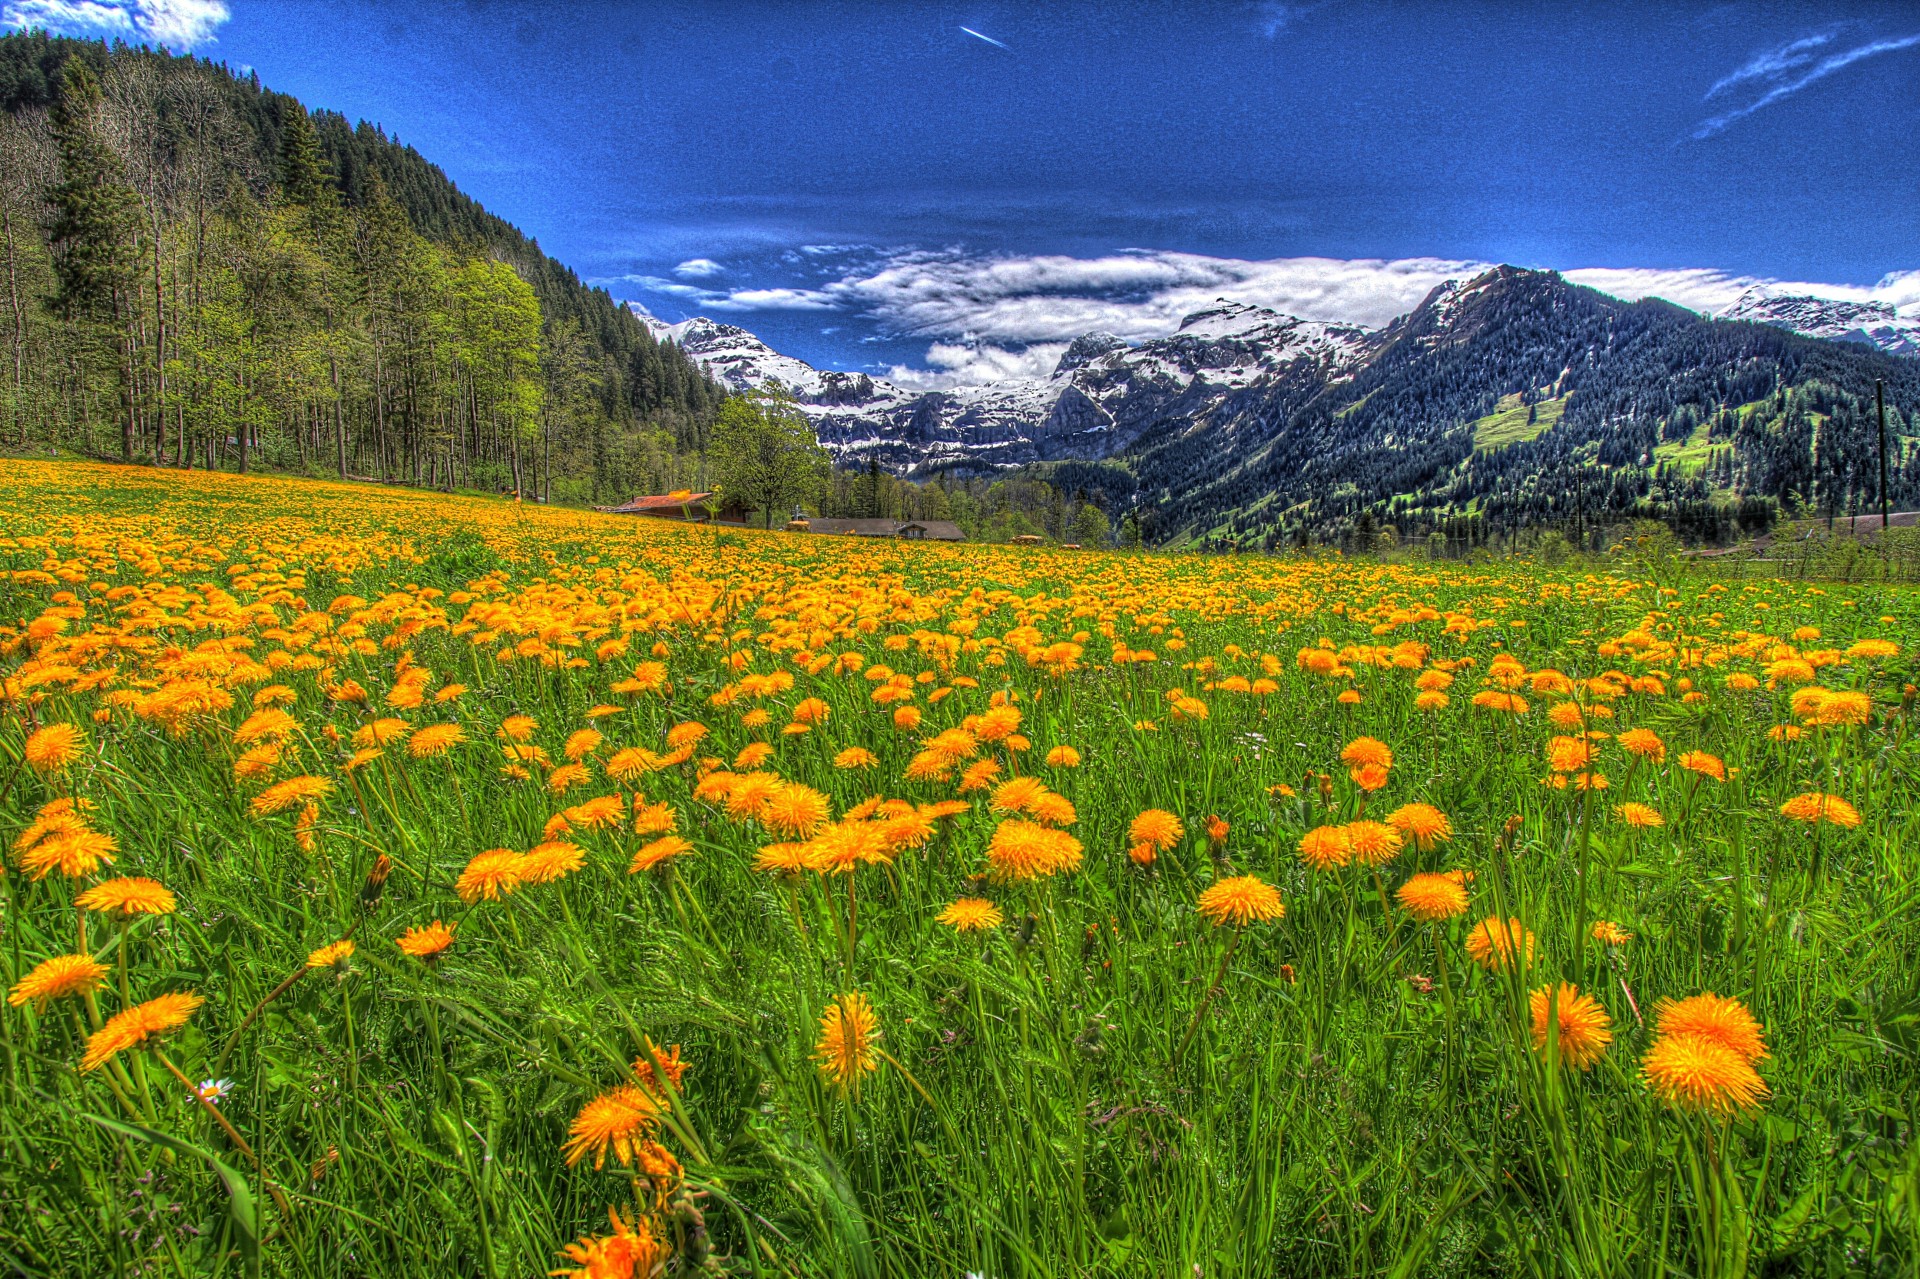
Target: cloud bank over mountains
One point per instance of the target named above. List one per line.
(987, 317)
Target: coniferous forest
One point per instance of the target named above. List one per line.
(200, 273)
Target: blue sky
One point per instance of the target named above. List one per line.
(868, 185)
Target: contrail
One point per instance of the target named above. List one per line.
(989, 39)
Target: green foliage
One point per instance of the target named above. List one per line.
(274, 288)
(764, 454)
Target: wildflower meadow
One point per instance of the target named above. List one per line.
(404, 885)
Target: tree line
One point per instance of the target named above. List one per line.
(198, 272)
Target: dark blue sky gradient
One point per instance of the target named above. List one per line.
(630, 137)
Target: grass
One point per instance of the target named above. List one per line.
(1508, 423)
(1687, 456)
(1103, 1083)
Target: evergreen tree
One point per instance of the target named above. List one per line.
(92, 230)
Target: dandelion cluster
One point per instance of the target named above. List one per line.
(443, 806)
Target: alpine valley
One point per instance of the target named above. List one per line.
(1513, 398)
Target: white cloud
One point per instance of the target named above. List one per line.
(178, 24)
(991, 317)
(698, 268)
(1706, 290)
(1771, 63)
(973, 364)
(774, 300)
(1773, 67)
(1016, 301)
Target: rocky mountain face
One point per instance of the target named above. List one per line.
(1875, 324)
(1102, 398)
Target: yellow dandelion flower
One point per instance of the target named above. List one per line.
(658, 853)
(1493, 944)
(1424, 824)
(1692, 1072)
(54, 747)
(133, 1027)
(1158, 827)
(293, 792)
(1725, 1021)
(490, 875)
(1432, 898)
(1639, 815)
(846, 1049)
(1240, 900)
(62, 977)
(1813, 807)
(427, 943)
(616, 1121)
(1584, 1029)
(1373, 843)
(126, 897)
(332, 955)
(971, 915)
(1326, 848)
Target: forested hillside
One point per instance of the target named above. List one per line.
(199, 272)
(1520, 400)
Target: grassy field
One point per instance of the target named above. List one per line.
(400, 885)
(1508, 423)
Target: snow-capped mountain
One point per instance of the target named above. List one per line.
(1102, 395)
(1874, 323)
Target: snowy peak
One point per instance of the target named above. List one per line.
(734, 357)
(1876, 324)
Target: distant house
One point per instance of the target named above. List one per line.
(909, 530)
(690, 507)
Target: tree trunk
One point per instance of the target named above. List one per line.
(339, 421)
(159, 345)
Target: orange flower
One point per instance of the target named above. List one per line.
(1326, 847)
(1693, 1072)
(1373, 843)
(659, 853)
(616, 1121)
(58, 978)
(126, 897)
(490, 875)
(1367, 750)
(1022, 849)
(1157, 827)
(1584, 1029)
(133, 1027)
(846, 1049)
(1241, 900)
(1643, 742)
(1639, 815)
(1493, 944)
(971, 914)
(426, 944)
(1704, 764)
(1432, 898)
(1814, 807)
(50, 749)
(1424, 824)
(1710, 1016)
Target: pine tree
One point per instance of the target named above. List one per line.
(302, 171)
(93, 227)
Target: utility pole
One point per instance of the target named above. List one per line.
(1880, 403)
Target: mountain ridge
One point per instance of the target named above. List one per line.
(1248, 420)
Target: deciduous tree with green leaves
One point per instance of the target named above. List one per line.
(764, 452)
